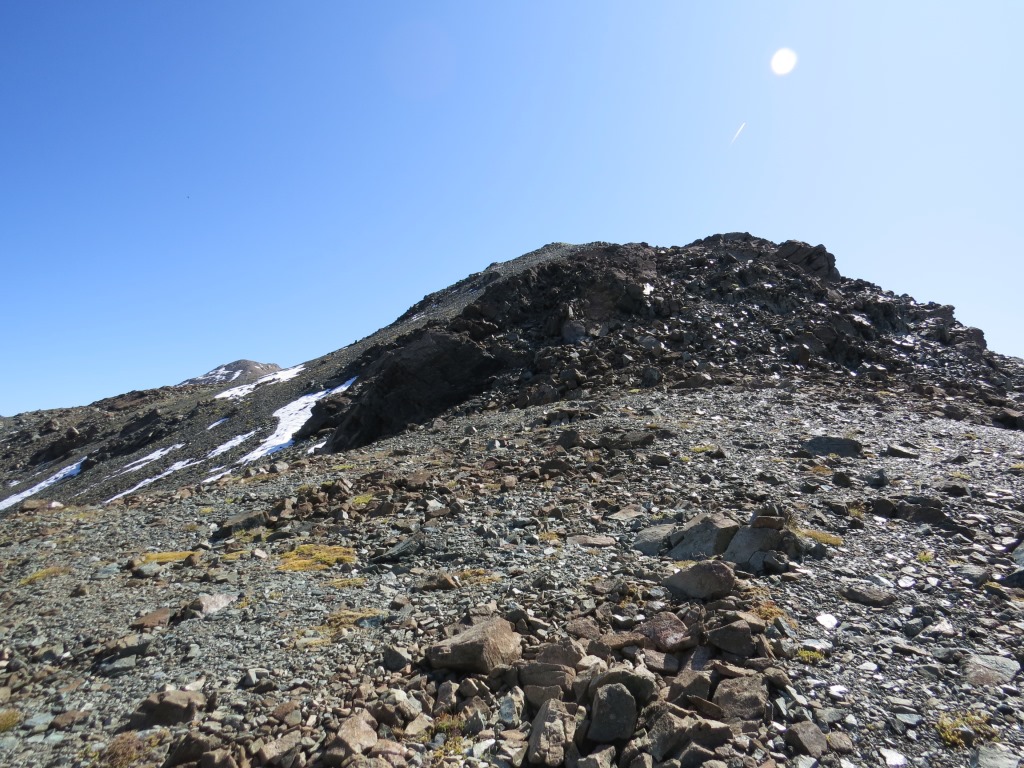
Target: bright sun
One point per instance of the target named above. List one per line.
(783, 61)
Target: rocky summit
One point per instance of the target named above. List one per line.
(601, 505)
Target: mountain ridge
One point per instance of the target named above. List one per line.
(511, 325)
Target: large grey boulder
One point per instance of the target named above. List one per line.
(750, 541)
(614, 714)
(703, 537)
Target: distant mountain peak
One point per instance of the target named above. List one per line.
(238, 372)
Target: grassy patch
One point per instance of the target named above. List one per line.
(1018, 468)
(355, 581)
(315, 557)
(165, 557)
(9, 719)
(549, 537)
(807, 656)
(362, 499)
(703, 448)
(124, 750)
(768, 611)
(925, 556)
(472, 577)
(349, 617)
(822, 537)
(953, 727)
(820, 469)
(44, 573)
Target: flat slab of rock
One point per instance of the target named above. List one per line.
(994, 756)
(749, 542)
(840, 446)
(867, 595)
(481, 648)
(987, 670)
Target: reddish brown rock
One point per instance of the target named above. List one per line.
(481, 648)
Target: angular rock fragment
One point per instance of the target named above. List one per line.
(552, 734)
(703, 537)
(614, 714)
(867, 595)
(480, 648)
(169, 708)
(807, 739)
(708, 580)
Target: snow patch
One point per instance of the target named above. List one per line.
(140, 463)
(217, 476)
(289, 419)
(648, 289)
(230, 444)
(217, 423)
(313, 449)
(237, 393)
(176, 466)
(69, 471)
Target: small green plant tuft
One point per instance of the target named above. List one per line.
(964, 729)
(925, 556)
(807, 656)
(768, 611)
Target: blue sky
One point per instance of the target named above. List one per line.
(183, 183)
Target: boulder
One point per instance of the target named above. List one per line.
(708, 580)
(614, 714)
(742, 698)
(168, 708)
(750, 541)
(480, 648)
(552, 734)
(703, 537)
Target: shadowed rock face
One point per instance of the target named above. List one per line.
(430, 373)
